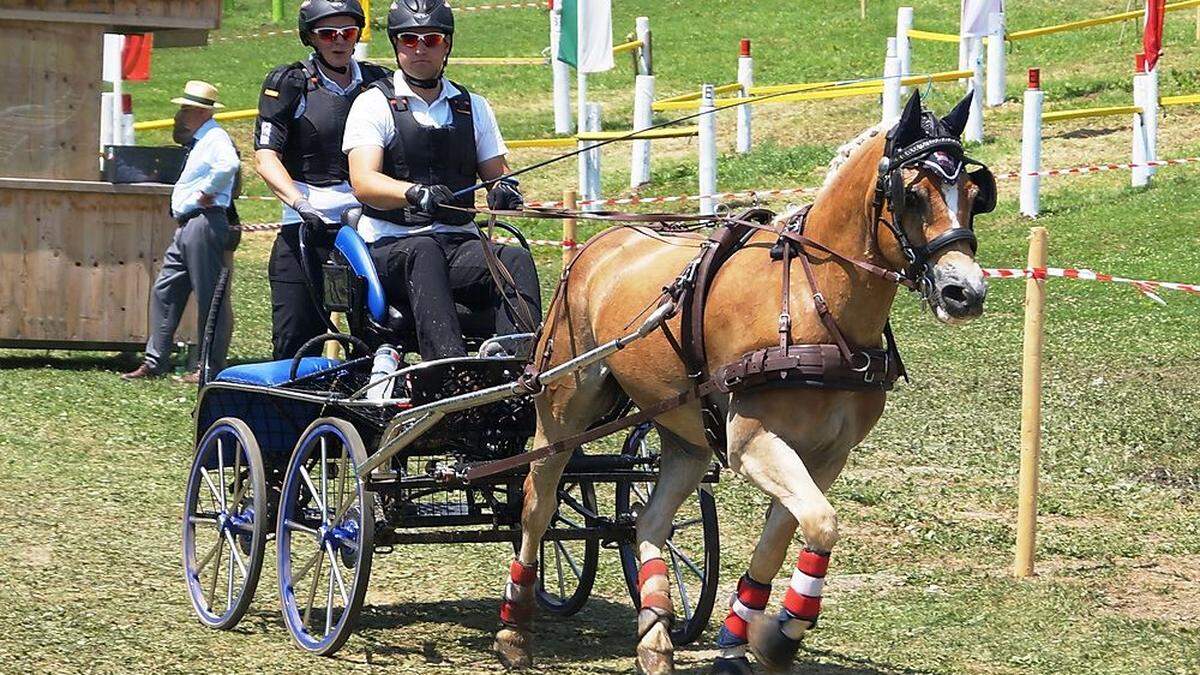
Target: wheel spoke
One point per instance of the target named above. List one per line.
(312, 591)
(579, 508)
(212, 589)
(686, 560)
(562, 590)
(337, 574)
(221, 469)
(203, 519)
(687, 523)
(342, 471)
(313, 490)
(683, 594)
(570, 560)
(237, 477)
(208, 557)
(642, 495)
(304, 569)
(324, 479)
(218, 499)
(568, 521)
(235, 554)
(329, 597)
(293, 525)
(229, 581)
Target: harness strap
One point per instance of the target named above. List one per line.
(501, 276)
(823, 310)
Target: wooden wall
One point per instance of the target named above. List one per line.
(130, 14)
(78, 264)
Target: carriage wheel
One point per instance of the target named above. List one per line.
(324, 534)
(692, 552)
(567, 569)
(224, 523)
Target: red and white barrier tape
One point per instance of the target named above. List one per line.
(1146, 286)
(1099, 168)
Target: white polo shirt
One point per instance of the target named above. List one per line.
(371, 123)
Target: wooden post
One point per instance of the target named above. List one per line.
(862, 9)
(276, 11)
(1031, 406)
(568, 231)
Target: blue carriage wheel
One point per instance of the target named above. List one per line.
(225, 523)
(692, 552)
(324, 536)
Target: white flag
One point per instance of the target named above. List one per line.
(973, 21)
(586, 41)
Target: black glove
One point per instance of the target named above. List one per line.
(428, 198)
(504, 196)
(310, 218)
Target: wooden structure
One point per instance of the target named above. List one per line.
(77, 255)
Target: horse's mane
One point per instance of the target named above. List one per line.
(847, 150)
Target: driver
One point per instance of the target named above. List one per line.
(413, 140)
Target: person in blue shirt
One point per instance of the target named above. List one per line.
(196, 256)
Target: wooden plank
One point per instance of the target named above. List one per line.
(129, 15)
(59, 185)
(50, 105)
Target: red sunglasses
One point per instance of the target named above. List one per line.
(329, 33)
(431, 40)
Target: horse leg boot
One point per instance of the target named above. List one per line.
(682, 468)
(514, 640)
(767, 461)
(751, 596)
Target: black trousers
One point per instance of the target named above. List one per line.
(430, 272)
(295, 318)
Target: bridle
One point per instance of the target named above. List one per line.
(944, 157)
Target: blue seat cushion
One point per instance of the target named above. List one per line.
(271, 373)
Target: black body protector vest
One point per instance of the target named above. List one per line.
(430, 156)
(313, 153)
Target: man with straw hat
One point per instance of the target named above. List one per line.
(196, 256)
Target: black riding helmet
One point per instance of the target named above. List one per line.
(423, 16)
(312, 11)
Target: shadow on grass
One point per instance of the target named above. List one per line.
(120, 362)
(844, 664)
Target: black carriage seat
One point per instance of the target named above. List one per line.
(395, 319)
(274, 373)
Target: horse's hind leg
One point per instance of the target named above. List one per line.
(562, 411)
(682, 467)
(753, 591)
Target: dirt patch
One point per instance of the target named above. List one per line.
(1165, 588)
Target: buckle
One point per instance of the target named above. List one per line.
(866, 362)
(785, 322)
(819, 301)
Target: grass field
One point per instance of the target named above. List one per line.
(92, 469)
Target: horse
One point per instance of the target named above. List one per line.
(896, 206)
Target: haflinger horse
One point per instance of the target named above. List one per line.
(897, 208)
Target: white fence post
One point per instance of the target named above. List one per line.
(639, 156)
(1031, 146)
(974, 132)
(904, 22)
(561, 74)
(746, 79)
(1150, 116)
(996, 59)
(593, 124)
(1140, 176)
(708, 149)
(891, 84)
(645, 58)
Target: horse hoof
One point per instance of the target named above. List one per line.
(655, 654)
(735, 666)
(771, 648)
(514, 649)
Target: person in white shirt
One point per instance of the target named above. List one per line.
(298, 152)
(413, 140)
(196, 256)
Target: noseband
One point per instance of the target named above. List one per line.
(945, 157)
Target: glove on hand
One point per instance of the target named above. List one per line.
(504, 196)
(313, 222)
(428, 198)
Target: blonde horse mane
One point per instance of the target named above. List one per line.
(843, 155)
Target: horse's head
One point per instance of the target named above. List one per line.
(927, 195)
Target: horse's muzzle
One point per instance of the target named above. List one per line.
(958, 293)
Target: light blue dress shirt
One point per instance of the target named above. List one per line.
(210, 169)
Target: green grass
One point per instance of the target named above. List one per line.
(92, 469)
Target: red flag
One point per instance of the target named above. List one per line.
(1152, 38)
(135, 58)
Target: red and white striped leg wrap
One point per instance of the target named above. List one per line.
(516, 610)
(655, 590)
(747, 602)
(802, 604)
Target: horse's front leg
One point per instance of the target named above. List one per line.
(753, 591)
(514, 640)
(682, 467)
(757, 451)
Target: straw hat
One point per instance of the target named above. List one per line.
(198, 94)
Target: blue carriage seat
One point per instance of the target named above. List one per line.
(395, 317)
(274, 373)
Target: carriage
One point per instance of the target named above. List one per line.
(337, 466)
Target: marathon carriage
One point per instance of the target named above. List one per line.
(315, 454)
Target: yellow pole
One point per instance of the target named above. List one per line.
(862, 9)
(366, 31)
(1031, 407)
(568, 229)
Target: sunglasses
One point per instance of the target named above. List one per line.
(431, 40)
(329, 33)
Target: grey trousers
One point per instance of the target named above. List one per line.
(193, 262)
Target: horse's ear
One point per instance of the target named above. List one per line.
(908, 129)
(956, 121)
